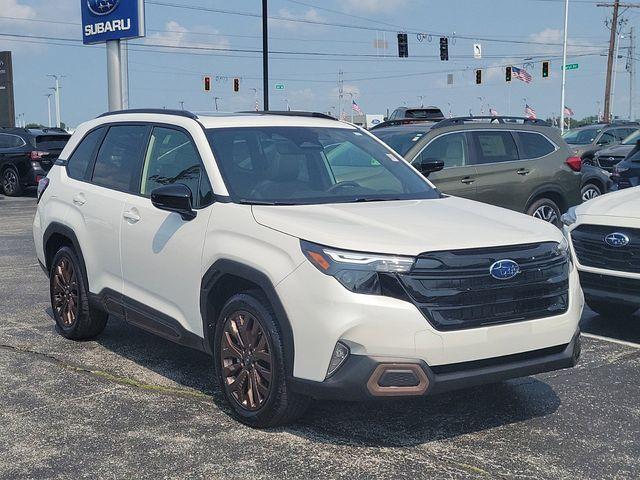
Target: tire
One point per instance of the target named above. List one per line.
(547, 210)
(10, 182)
(610, 309)
(248, 352)
(69, 298)
(590, 191)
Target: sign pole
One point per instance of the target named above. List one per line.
(564, 64)
(114, 75)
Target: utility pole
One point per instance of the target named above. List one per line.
(265, 56)
(631, 68)
(57, 78)
(564, 63)
(615, 71)
(48, 95)
(340, 93)
(612, 47)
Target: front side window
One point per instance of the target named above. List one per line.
(607, 138)
(83, 154)
(118, 160)
(305, 165)
(172, 157)
(535, 145)
(495, 147)
(451, 149)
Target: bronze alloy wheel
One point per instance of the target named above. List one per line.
(65, 291)
(245, 354)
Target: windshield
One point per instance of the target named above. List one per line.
(632, 139)
(304, 165)
(401, 141)
(582, 136)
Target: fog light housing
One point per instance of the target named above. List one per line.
(339, 356)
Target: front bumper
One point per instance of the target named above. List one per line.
(360, 377)
(610, 288)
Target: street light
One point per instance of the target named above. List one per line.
(57, 78)
(48, 95)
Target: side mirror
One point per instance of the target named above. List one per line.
(427, 166)
(174, 198)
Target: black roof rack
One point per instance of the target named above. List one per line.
(156, 111)
(286, 113)
(449, 122)
(404, 121)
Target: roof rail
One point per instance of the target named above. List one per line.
(449, 122)
(296, 113)
(156, 111)
(403, 121)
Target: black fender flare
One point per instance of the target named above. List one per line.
(543, 190)
(212, 278)
(65, 231)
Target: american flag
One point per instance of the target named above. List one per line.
(568, 112)
(493, 112)
(521, 74)
(529, 112)
(356, 107)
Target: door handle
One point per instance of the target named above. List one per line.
(79, 199)
(131, 216)
(523, 171)
(467, 180)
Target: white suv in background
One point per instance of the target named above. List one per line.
(304, 255)
(605, 237)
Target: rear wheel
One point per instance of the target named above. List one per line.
(250, 363)
(547, 210)
(69, 298)
(610, 309)
(11, 183)
(590, 191)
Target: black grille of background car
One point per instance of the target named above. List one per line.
(608, 162)
(595, 281)
(454, 290)
(592, 251)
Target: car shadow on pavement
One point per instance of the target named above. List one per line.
(385, 423)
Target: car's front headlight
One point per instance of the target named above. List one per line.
(562, 249)
(367, 273)
(569, 218)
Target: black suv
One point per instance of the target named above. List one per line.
(587, 141)
(26, 155)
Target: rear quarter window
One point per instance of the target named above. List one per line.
(534, 145)
(83, 154)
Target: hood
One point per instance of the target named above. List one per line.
(623, 203)
(617, 151)
(408, 227)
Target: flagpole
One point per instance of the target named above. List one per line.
(564, 64)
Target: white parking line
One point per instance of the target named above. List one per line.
(612, 340)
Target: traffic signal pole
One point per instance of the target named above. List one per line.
(564, 64)
(265, 57)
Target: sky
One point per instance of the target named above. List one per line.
(310, 42)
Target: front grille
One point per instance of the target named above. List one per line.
(592, 251)
(595, 281)
(608, 162)
(454, 290)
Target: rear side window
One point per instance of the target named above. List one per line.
(83, 154)
(11, 141)
(118, 160)
(534, 145)
(495, 147)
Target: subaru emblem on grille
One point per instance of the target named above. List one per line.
(616, 239)
(504, 269)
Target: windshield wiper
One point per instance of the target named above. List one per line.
(373, 199)
(263, 202)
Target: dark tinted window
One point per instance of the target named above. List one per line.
(52, 142)
(82, 155)
(400, 140)
(10, 141)
(581, 137)
(119, 157)
(607, 138)
(450, 148)
(495, 146)
(172, 158)
(535, 145)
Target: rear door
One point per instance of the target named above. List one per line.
(458, 176)
(503, 178)
(53, 145)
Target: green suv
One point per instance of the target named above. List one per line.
(516, 163)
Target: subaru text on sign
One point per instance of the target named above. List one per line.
(104, 20)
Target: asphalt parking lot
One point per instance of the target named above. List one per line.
(129, 405)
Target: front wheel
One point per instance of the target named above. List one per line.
(545, 209)
(610, 309)
(250, 363)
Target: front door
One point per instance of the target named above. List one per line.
(161, 252)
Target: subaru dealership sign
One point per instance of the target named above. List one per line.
(104, 20)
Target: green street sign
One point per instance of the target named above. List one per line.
(279, 86)
(571, 66)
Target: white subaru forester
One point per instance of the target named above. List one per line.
(309, 259)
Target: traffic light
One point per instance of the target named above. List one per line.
(545, 69)
(206, 83)
(403, 45)
(507, 74)
(444, 48)
(236, 85)
(478, 77)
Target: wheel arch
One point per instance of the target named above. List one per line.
(550, 192)
(224, 279)
(57, 235)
